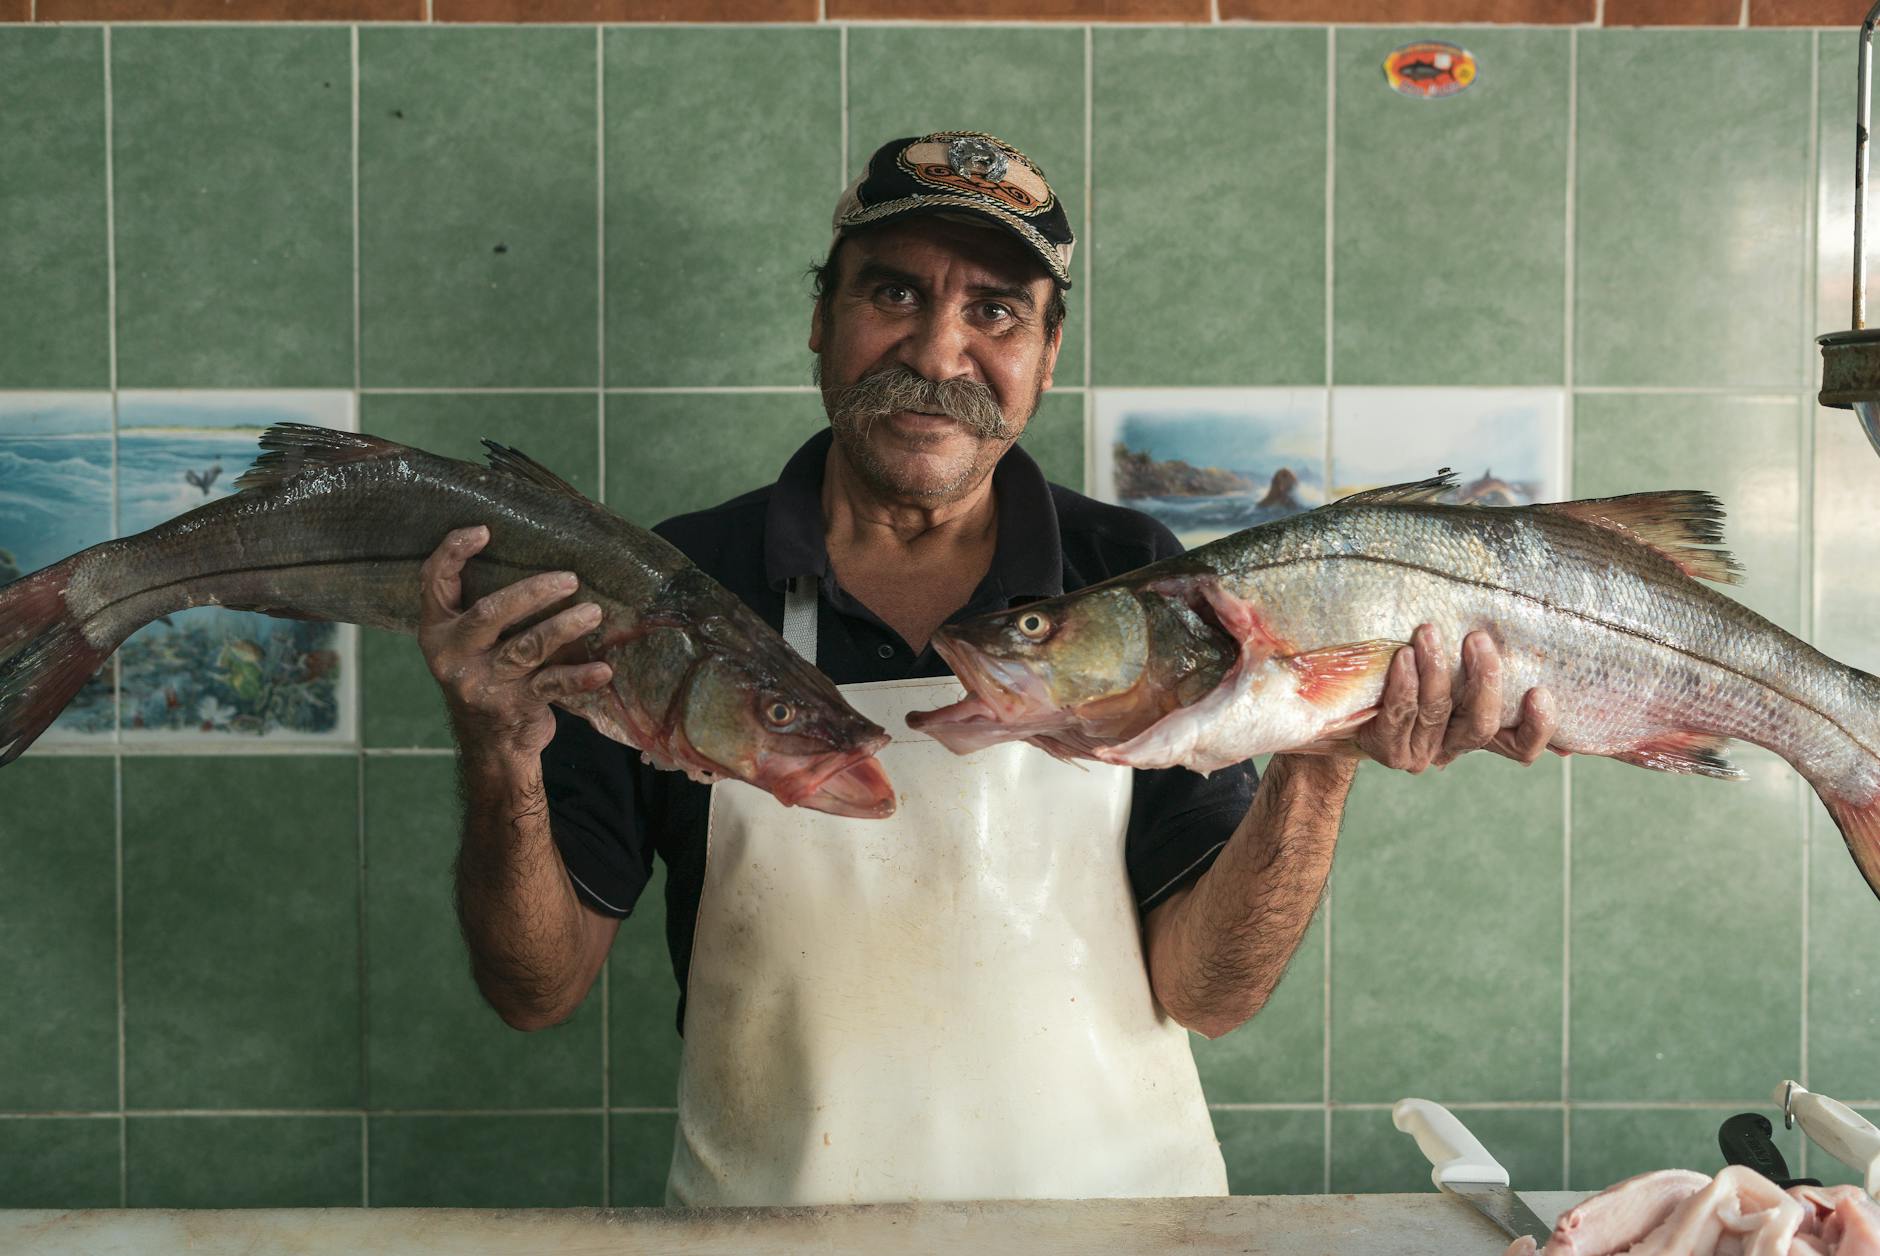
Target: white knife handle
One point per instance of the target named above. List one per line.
(1454, 1152)
(1838, 1130)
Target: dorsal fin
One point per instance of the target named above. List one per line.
(1684, 525)
(1415, 491)
(290, 448)
(515, 462)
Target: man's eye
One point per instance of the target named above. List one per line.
(894, 293)
(995, 312)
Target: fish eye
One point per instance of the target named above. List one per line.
(1034, 625)
(779, 714)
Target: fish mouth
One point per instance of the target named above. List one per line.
(848, 783)
(1004, 701)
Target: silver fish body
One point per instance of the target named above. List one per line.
(335, 526)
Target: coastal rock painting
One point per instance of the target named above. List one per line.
(1507, 446)
(208, 673)
(1211, 461)
(55, 499)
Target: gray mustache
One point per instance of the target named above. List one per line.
(898, 388)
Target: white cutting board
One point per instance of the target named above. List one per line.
(1273, 1225)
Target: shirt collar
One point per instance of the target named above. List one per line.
(1027, 563)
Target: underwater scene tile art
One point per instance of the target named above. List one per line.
(1506, 445)
(55, 499)
(208, 672)
(1210, 461)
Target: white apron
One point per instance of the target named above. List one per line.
(948, 1004)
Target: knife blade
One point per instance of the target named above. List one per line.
(1837, 1129)
(1462, 1167)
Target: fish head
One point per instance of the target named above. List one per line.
(768, 718)
(1074, 672)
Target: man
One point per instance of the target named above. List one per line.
(984, 995)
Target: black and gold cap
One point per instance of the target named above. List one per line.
(964, 174)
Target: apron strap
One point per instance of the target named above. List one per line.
(799, 616)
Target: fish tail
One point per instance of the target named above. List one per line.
(45, 657)
(1859, 823)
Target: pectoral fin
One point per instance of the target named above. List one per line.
(1325, 677)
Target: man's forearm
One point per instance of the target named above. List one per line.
(532, 946)
(1217, 951)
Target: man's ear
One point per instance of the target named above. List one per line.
(1051, 355)
(815, 326)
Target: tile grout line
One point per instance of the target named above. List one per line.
(365, 1047)
(600, 428)
(842, 94)
(1325, 901)
(117, 686)
(1568, 316)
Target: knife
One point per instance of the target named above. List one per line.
(1462, 1167)
(1836, 1128)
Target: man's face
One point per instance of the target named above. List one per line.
(932, 354)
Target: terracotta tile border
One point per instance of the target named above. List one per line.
(1536, 12)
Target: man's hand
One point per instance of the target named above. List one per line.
(498, 690)
(1420, 722)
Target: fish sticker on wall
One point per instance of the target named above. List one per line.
(1430, 69)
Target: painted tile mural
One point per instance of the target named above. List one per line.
(55, 499)
(206, 672)
(1506, 445)
(1210, 461)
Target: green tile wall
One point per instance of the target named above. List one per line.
(590, 244)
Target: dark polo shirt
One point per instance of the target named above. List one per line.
(611, 815)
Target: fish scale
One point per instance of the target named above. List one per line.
(1594, 600)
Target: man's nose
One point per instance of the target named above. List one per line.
(937, 346)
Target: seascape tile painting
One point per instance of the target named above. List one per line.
(55, 499)
(1210, 461)
(1507, 446)
(208, 673)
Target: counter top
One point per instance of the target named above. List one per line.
(1426, 1224)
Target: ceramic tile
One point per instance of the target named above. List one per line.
(434, 1042)
(1692, 179)
(1028, 10)
(1371, 1154)
(1209, 240)
(1279, 1055)
(58, 927)
(400, 703)
(915, 80)
(683, 234)
(654, 467)
(59, 1163)
(1450, 222)
(1612, 1144)
(208, 675)
(1672, 13)
(1665, 1004)
(56, 452)
(241, 912)
(486, 1161)
(1272, 1153)
(1454, 877)
(244, 1162)
(1536, 12)
(234, 266)
(1517, 436)
(624, 11)
(1747, 451)
(53, 331)
(230, 10)
(1055, 438)
(643, 997)
(1808, 13)
(642, 1154)
(478, 200)
(1843, 989)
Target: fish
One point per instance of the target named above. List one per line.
(1277, 638)
(334, 525)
